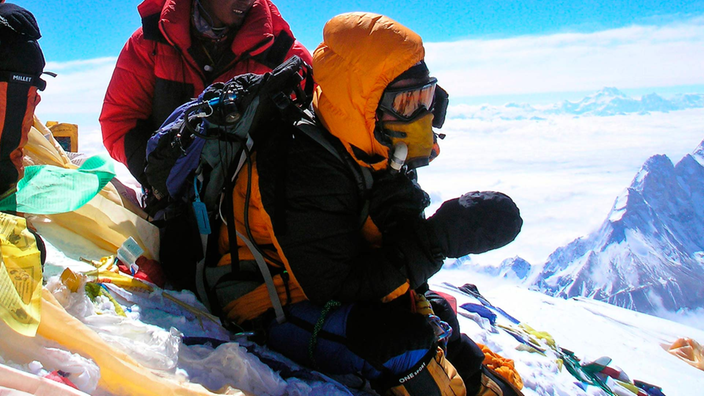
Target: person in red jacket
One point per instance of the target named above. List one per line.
(182, 47)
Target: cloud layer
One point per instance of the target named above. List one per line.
(563, 172)
(631, 57)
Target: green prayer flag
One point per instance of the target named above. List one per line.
(47, 189)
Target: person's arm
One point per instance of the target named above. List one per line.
(317, 224)
(125, 117)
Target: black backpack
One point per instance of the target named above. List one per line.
(195, 156)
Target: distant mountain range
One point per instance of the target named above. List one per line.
(648, 254)
(606, 102)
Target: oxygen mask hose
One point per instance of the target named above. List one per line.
(398, 157)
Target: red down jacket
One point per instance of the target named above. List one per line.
(159, 69)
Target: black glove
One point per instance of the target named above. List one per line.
(395, 199)
(475, 223)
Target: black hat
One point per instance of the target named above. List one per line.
(419, 71)
(19, 49)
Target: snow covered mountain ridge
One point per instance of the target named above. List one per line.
(648, 255)
(608, 101)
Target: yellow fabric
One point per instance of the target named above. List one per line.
(688, 350)
(360, 55)
(501, 366)
(20, 276)
(104, 220)
(398, 292)
(423, 306)
(119, 373)
(446, 376)
(541, 335)
(630, 387)
(43, 149)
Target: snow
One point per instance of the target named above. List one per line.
(619, 207)
(587, 327)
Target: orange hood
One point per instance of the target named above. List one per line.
(360, 55)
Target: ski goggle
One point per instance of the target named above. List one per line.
(405, 102)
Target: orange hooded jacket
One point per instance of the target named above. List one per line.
(360, 55)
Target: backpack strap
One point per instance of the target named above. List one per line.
(363, 176)
(276, 53)
(213, 275)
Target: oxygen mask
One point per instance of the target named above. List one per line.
(408, 114)
(416, 135)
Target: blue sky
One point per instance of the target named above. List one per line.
(481, 51)
(90, 29)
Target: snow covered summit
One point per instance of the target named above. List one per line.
(648, 255)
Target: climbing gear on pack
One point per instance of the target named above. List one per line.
(192, 164)
(443, 331)
(200, 149)
(21, 65)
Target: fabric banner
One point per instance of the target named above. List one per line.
(50, 190)
(20, 276)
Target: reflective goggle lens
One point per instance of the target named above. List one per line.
(404, 102)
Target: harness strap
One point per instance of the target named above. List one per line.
(200, 271)
(268, 279)
(362, 175)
